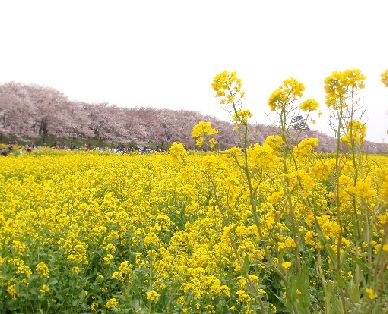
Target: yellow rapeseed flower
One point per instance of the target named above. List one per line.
(111, 303)
(290, 91)
(153, 295)
(11, 289)
(309, 105)
(42, 270)
(177, 151)
(371, 293)
(286, 265)
(384, 78)
(44, 289)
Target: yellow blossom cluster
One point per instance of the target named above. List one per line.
(290, 91)
(115, 226)
(111, 303)
(356, 132)
(305, 147)
(384, 78)
(252, 229)
(177, 151)
(203, 133)
(242, 116)
(309, 105)
(42, 270)
(152, 295)
(228, 87)
(339, 84)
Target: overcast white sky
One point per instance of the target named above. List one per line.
(165, 54)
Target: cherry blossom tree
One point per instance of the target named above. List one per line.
(33, 111)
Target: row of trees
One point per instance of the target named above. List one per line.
(39, 112)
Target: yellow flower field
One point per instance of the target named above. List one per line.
(261, 228)
(85, 232)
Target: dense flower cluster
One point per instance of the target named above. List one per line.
(228, 87)
(290, 91)
(203, 133)
(356, 131)
(241, 117)
(339, 84)
(262, 228)
(120, 232)
(384, 78)
(309, 105)
(177, 151)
